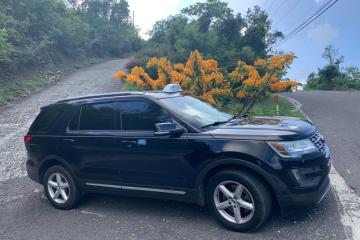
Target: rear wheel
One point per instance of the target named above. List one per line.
(60, 188)
(238, 200)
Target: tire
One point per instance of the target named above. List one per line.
(60, 188)
(243, 193)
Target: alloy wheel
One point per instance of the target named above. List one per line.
(58, 188)
(234, 202)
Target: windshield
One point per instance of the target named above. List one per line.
(196, 112)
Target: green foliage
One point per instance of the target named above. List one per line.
(214, 29)
(331, 76)
(266, 107)
(6, 49)
(41, 32)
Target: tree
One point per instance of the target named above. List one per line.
(332, 55)
(42, 32)
(208, 13)
(214, 29)
(331, 77)
(202, 78)
(258, 34)
(6, 49)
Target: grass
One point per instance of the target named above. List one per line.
(25, 82)
(125, 87)
(11, 89)
(267, 107)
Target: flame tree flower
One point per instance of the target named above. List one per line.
(202, 78)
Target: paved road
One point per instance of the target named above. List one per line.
(337, 115)
(26, 214)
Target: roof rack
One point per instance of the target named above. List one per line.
(94, 96)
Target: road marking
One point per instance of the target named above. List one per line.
(348, 200)
(93, 213)
(350, 205)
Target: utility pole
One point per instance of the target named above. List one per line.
(133, 19)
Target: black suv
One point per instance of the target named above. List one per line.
(173, 146)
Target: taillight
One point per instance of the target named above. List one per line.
(27, 139)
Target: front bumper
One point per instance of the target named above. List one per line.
(300, 198)
(294, 203)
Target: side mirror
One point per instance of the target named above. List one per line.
(168, 129)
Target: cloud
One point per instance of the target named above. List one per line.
(148, 12)
(324, 34)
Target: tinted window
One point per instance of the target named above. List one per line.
(46, 119)
(74, 123)
(142, 115)
(99, 116)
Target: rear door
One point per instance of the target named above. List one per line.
(90, 145)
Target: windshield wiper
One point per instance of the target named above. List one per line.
(214, 124)
(233, 117)
(220, 122)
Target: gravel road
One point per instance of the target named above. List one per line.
(26, 214)
(16, 118)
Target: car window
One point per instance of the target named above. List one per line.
(99, 116)
(46, 119)
(196, 112)
(141, 115)
(74, 123)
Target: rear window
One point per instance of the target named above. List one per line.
(99, 116)
(46, 120)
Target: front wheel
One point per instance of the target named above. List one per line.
(238, 200)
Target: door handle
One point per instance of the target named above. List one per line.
(128, 141)
(69, 140)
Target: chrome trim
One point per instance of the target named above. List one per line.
(136, 188)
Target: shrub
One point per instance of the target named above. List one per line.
(203, 78)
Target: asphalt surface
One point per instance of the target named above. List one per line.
(26, 214)
(337, 115)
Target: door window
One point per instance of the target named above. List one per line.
(99, 116)
(141, 115)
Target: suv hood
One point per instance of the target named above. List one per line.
(265, 128)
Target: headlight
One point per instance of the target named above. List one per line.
(293, 148)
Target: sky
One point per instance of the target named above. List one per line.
(339, 26)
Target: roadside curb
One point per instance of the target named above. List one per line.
(347, 200)
(297, 105)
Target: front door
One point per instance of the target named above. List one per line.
(150, 160)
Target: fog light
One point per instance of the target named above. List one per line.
(307, 177)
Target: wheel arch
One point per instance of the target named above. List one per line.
(231, 164)
(50, 161)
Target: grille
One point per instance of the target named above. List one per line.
(318, 141)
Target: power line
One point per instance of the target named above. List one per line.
(312, 18)
(308, 19)
(292, 8)
(308, 10)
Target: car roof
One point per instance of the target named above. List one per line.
(114, 95)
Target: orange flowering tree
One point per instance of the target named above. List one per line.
(250, 83)
(204, 79)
